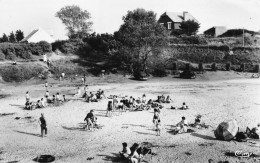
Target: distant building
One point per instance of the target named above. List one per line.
(215, 31)
(172, 20)
(37, 36)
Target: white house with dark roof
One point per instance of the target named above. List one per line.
(38, 35)
(172, 20)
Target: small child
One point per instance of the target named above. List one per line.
(184, 106)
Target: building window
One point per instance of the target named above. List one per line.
(169, 25)
(161, 24)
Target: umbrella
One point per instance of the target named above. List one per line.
(226, 130)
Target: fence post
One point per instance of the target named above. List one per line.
(243, 67)
(257, 70)
(213, 67)
(187, 68)
(201, 67)
(175, 66)
(228, 66)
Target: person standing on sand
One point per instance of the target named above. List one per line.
(27, 96)
(46, 85)
(43, 125)
(84, 79)
(109, 109)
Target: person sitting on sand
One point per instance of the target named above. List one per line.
(182, 125)
(42, 104)
(131, 102)
(64, 99)
(134, 156)
(102, 95)
(126, 151)
(163, 99)
(197, 121)
(168, 99)
(93, 97)
(90, 119)
(53, 99)
(144, 99)
(28, 105)
(184, 106)
(78, 93)
(47, 94)
(109, 109)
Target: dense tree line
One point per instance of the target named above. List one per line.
(12, 37)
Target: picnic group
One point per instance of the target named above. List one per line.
(121, 104)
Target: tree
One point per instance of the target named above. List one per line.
(141, 36)
(19, 35)
(75, 20)
(189, 27)
(12, 37)
(4, 38)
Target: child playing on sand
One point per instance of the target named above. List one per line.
(182, 125)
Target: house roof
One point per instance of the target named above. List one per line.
(38, 35)
(178, 16)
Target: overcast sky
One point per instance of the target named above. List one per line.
(28, 15)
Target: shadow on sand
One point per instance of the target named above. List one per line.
(22, 132)
(134, 125)
(144, 133)
(114, 158)
(73, 128)
(203, 136)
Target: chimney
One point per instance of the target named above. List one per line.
(184, 15)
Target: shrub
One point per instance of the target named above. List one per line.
(67, 67)
(25, 50)
(2, 56)
(19, 73)
(10, 56)
(45, 46)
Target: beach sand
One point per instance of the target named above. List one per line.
(216, 100)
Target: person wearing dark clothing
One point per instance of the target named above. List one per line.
(43, 125)
(90, 119)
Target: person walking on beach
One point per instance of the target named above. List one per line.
(43, 125)
(157, 123)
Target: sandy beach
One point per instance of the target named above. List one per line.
(215, 100)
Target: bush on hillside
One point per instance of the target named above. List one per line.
(25, 50)
(2, 56)
(10, 56)
(19, 73)
(187, 40)
(67, 67)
